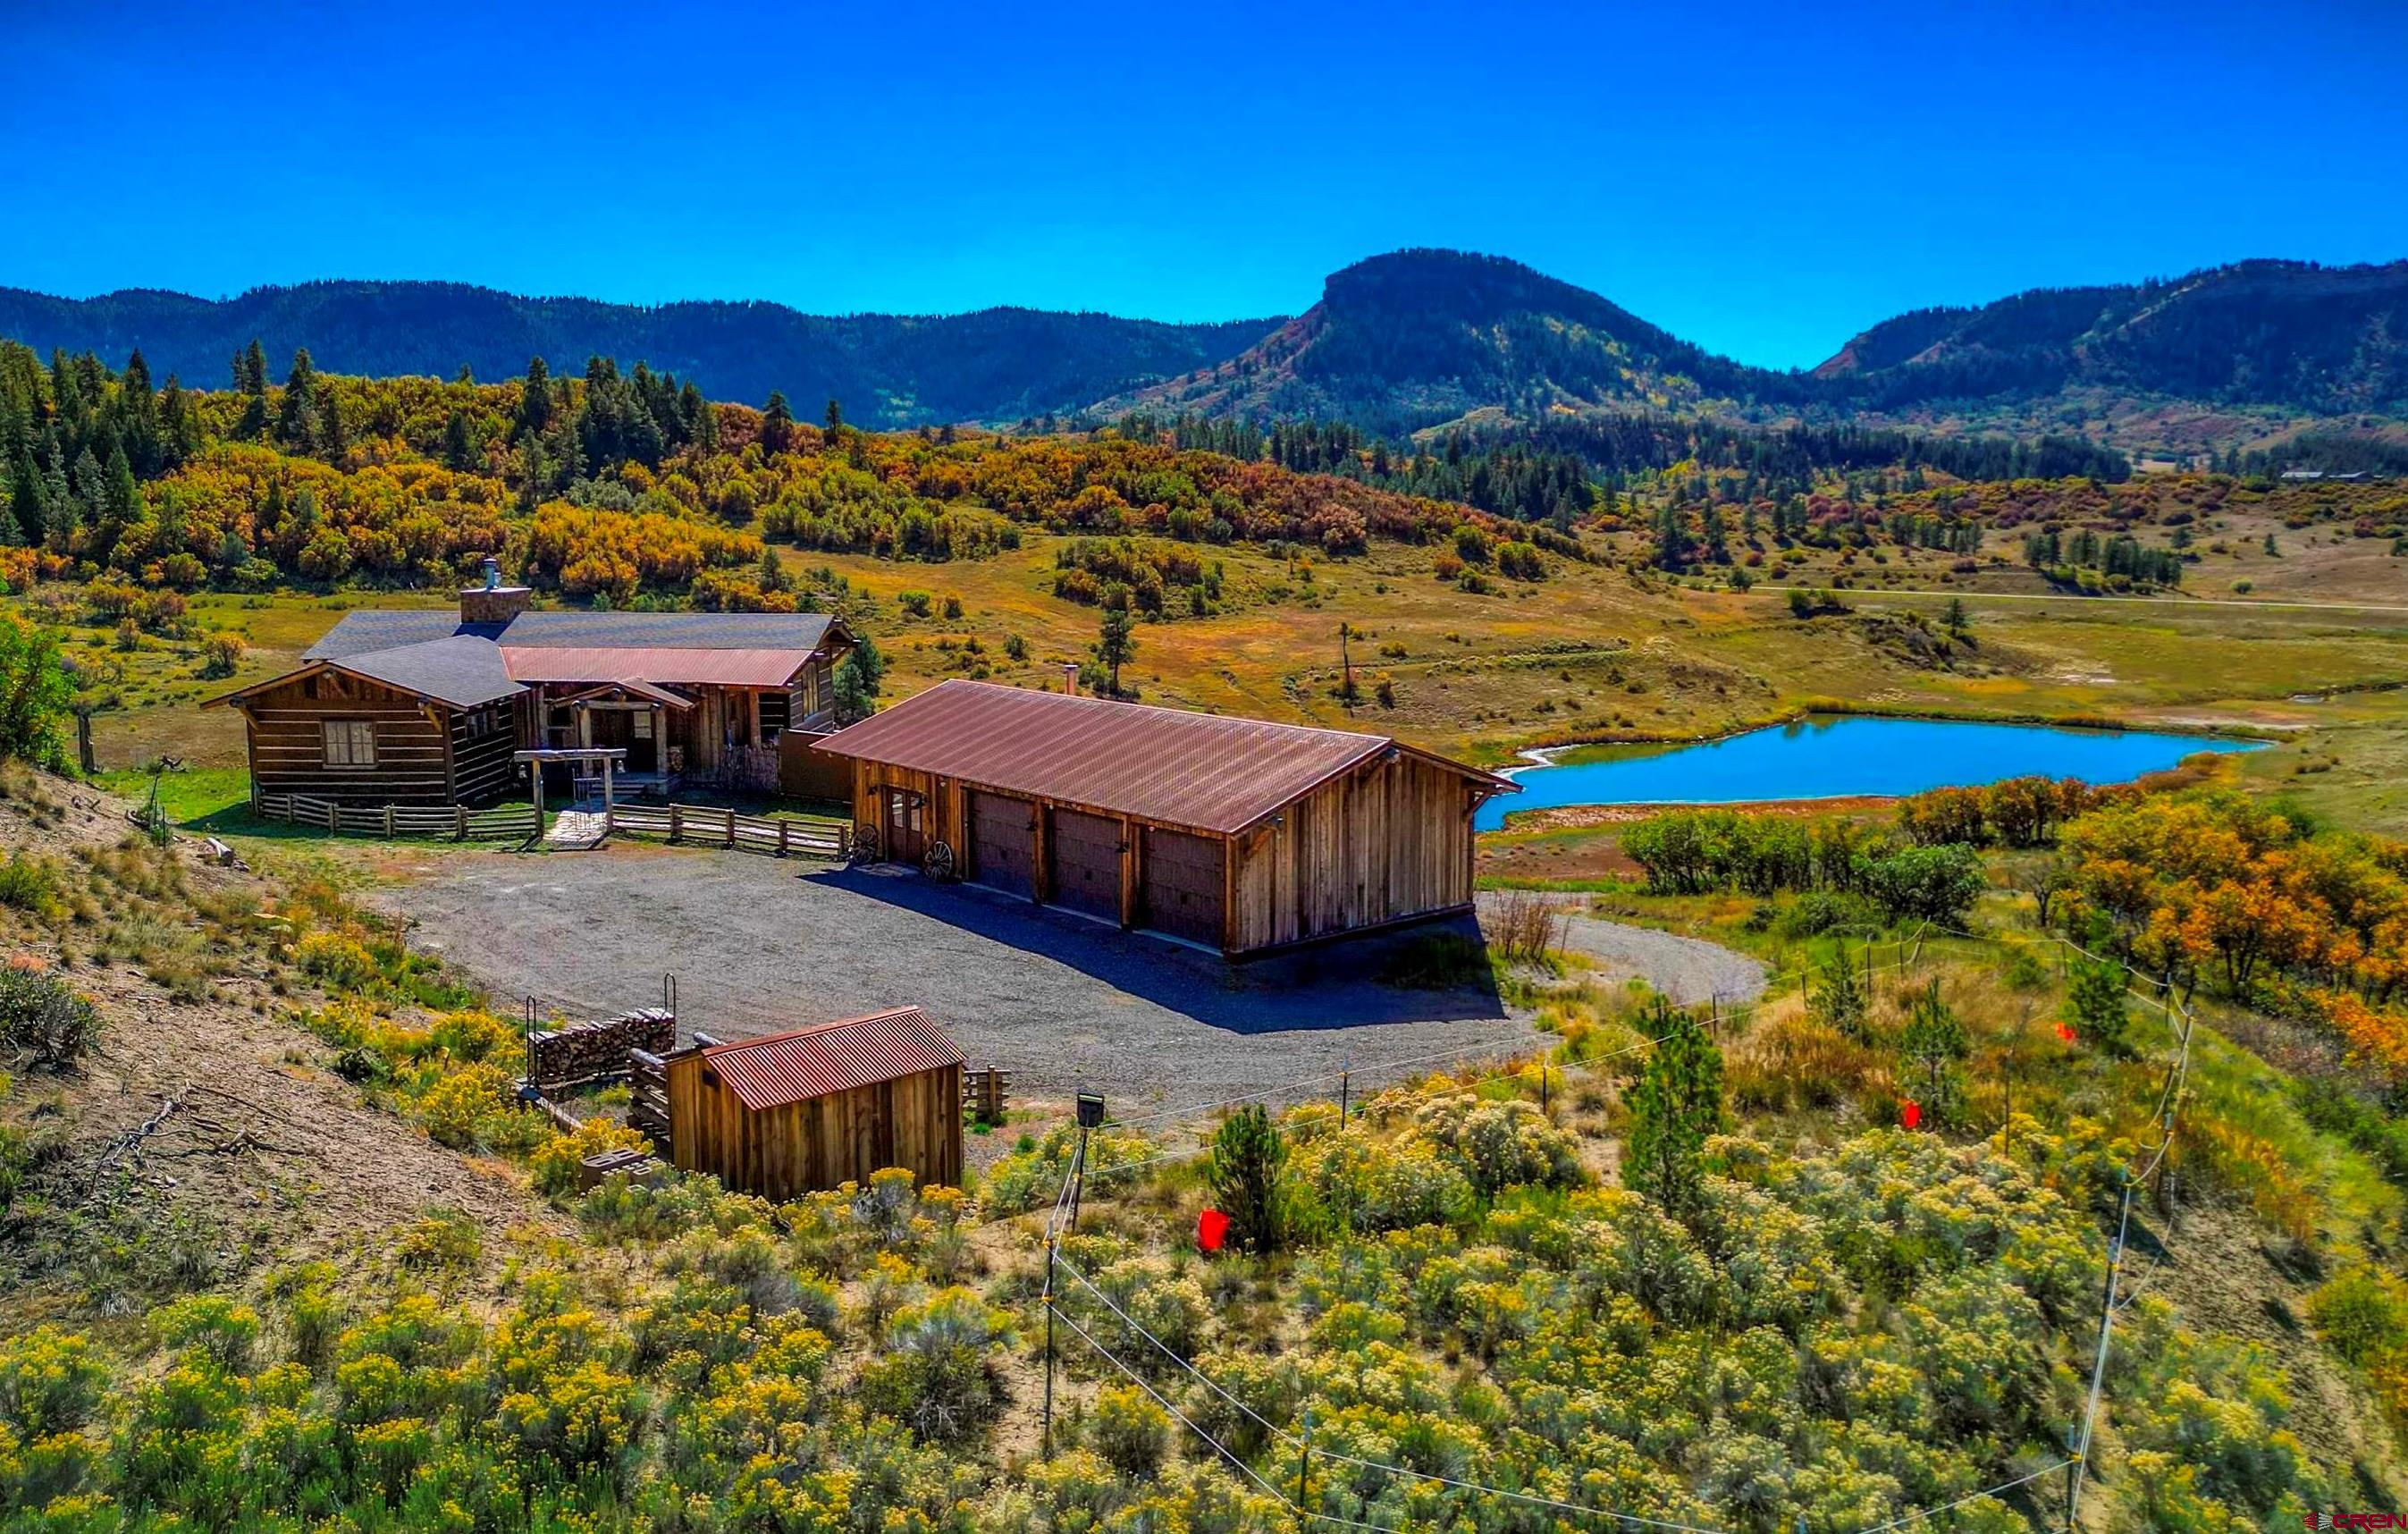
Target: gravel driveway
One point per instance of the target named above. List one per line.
(758, 945)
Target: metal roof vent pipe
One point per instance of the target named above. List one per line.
(1070, 678)
(493, 573)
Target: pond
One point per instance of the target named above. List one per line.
(1834, 756)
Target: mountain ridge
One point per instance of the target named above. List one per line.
(1001, 363)
(1395, 343)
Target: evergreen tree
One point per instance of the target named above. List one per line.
(1116, 645)
(296, 413)
(535, 399)
(777, 423)
(1840, 1001)
(1676, 1107)
(1932, 1049)
(27, 505)
(1246, 1172)
(835, 418)
(858, 677)
(250, 381)
(2095, 1005)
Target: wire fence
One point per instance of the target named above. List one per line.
(2081, 1441)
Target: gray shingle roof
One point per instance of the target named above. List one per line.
(461, 670)
(799, 631)
(382, 628)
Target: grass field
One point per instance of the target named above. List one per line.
(1593, 653)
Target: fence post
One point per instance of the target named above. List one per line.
(1304, 1474)
(784, 827)
(388, 822)
(677, 821)
(334, 816)
(459, 814)
(731, 829)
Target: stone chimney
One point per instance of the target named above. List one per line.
(1070, 678)
(493, 602)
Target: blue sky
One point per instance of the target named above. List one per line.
(1765, 178)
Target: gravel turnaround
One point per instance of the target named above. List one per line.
(757, 945)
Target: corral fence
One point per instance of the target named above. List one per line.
(700, 827)
(457, 823)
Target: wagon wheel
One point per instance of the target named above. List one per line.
(864, 844)
(939, 864)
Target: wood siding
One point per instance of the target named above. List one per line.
(913, 1122)
(284, 729)
(1389, 842)
(1384, 843)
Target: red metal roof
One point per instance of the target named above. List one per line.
(722, 668)
(792, 1068)
(1212, 772)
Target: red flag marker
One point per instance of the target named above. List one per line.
(1211, 1227)
(1912, 1115)
(2065, 1031)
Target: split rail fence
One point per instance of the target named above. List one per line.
(506, 822)
(696, 825)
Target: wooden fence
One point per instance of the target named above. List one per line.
(456, 823)
(986, 1091)
(706, 828)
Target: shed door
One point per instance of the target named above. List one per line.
(1085, 852)
(1181, 885)
(1003, 843)
(907, 827)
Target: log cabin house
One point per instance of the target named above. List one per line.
(1236, 835)
(424, 707)
(800, 1111)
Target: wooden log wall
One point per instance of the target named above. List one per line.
(284, 727)
(481, 769)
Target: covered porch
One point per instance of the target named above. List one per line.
(646, 726)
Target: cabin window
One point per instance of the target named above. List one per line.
(350, 742)
(640, 722)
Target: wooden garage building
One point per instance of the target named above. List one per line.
(796, 1113)
(1233, 834)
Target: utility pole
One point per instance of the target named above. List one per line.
(1047, 1447)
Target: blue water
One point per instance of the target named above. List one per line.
(1822, 757)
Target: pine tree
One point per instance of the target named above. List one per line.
(296, 413)
(250, 381)
(535, 399)
(1116, 645)
(1246, 1172)
(2095, 1005)
(1676, 1107)
(1840, 1001)
(1932, 1049)
(778, 423)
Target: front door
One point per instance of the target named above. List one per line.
(643, 743)
(907, 827)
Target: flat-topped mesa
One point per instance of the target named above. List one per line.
(493, 602)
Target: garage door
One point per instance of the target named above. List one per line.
(1181, 880)
(1003, 843)
(1085, 852)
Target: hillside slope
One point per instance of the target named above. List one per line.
(1405, 340)
(2326, 341)
(996, 365)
